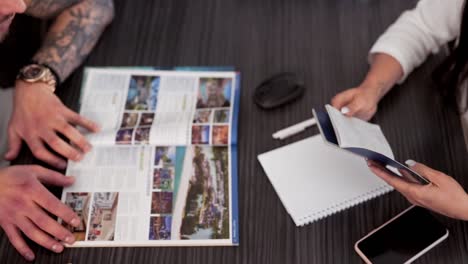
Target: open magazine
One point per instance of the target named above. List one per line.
(361, 138)
(163, 168)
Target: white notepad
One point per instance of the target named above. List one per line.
(315, 180)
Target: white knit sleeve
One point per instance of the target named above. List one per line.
(419, 32)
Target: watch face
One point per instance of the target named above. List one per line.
(33, 72)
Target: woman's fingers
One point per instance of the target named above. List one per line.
(423, 170)
(342, 99)
(356, 102)
(412, 201)
(409, 176)
(417, 194)
(406, 188)
(354, 109)
(387, 176)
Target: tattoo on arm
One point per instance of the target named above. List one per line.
(74, 34)
(47, 8)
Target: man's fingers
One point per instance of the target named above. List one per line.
(50, 203)
(79, 120)
(39, 151)
(52, 177)
(342, 99)
(50, 226)
(14, 145)
(61, 147)
(75, 137)
(38, 236)
(18, 242)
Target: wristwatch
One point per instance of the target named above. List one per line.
(34, 73)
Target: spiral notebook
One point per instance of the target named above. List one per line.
(314, 179)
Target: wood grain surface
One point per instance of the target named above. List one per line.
(326, 43)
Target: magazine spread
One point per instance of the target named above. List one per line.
(163, 168)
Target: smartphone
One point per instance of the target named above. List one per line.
(402, 239)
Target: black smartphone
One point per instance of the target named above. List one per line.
(403, 238)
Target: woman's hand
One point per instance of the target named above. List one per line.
(360, 102)
(444, 195)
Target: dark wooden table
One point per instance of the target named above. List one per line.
(326, 43)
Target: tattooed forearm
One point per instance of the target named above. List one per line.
(47, 8)
(74, 34)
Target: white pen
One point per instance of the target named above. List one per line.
(292, 130)
(299, 127)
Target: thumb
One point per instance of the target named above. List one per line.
(423, 170)
(351, 109)
(14, 145)
(354, 109)
(52, 177)
(342, 99)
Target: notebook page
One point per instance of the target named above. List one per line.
(355, 133)
(314, 179)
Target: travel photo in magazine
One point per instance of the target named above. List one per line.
(163, 168)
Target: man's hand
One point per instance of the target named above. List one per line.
(37, 118)
(444, 195)
(23, 205)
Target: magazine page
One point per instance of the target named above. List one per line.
(136, 107)
(146, 183)
(154, 196)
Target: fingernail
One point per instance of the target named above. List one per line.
(62, 165)
(88, 147)
(78, 157)
(410, 163)
(29, 256)
(75, 222)
(68, 239)
(57, 248)
(344, 110)
(8, 156)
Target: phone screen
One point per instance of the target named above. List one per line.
(402, 238)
